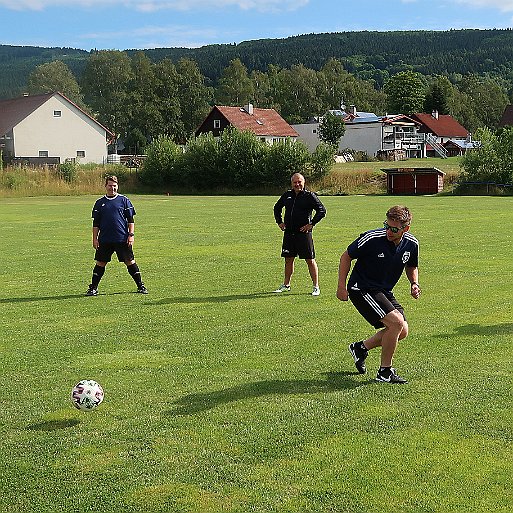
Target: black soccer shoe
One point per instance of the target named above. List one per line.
(91, 291)
(142, 289)
(359, 356)
(389, 376)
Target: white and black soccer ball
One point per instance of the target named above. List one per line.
(87, 395)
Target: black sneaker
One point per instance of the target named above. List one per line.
(359, 356)
(142, 289)
(91, 291)
(389, 376)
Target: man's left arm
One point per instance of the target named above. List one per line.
(320, 210)
(412, 273)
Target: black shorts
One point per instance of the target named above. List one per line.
(373, 305)
(122, 249)
(298, 244)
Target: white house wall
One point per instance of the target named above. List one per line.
(364, 137)
(62, 136)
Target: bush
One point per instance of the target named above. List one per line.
(321, 161)
(161, 164)
(68, 171)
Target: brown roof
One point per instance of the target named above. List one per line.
(507, 116)
(443, 126)
(15, 110)
(263, 122)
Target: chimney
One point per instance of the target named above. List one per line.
(249, 108)
(434, 114)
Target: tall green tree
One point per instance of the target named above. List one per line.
(168, 101)
(438, 95)
(331, 129)
(55, 76)
(235, 86)
(143, 100)
(405, 93)
(106, 84)
(194, 95)
(297, 96)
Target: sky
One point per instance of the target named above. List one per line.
(142, 24)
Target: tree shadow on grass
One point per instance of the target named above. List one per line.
(195, 403)
(53, 425)
(212, 299)
(505, 328)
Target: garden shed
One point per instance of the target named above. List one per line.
(414, 180)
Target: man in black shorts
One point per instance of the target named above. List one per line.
(381, 256)
(297, 227)
(113, 231)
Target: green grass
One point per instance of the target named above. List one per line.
(222, 397)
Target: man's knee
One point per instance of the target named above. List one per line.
(395, 321)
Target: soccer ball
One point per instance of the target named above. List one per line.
(87, 395)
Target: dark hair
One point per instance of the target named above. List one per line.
(111, 178)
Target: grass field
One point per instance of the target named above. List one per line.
(222, 397)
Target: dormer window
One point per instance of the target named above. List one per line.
(217, 123)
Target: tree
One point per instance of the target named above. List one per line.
(193, 95)
(438, 95)
(331, 129)
(297, 94)
(235, 87)
(55, 76)
(106, 86)
(492, 160)
(405, 93)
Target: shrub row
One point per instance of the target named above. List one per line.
(234, 159)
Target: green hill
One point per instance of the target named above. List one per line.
(370, 55)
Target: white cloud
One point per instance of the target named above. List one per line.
(501, 5)
(157, 5)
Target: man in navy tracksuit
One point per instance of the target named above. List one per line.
(381, 257)
(113, 231)
(297, 227)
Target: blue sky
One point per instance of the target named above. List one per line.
(129, 24)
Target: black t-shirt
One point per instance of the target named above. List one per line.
(379, 262)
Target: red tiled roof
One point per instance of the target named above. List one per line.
(263, 122)
(443, 126)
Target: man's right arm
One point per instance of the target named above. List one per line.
(278, 208)
(343, 271)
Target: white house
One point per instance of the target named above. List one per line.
(369, 133)
(49, 128)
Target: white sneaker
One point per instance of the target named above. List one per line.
(282, 288)
(316, 291)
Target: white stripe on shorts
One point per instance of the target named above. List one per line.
(375, 306)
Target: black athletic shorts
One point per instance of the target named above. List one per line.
(373, 305)
(122, 250)
(298, 244)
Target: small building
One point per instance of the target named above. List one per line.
(416, 180)
(50, 129)
(266, 124)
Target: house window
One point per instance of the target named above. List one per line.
(43, 153)
(57, 113)
(217, 123)
(314, 131)
(80, 154)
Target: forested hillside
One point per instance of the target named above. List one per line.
(368, 55)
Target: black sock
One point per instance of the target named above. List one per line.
(384, 370)
(362, 346)
(98, 272)
(134, 272)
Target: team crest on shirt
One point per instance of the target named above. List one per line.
(406, 256)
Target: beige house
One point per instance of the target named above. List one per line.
(49, 128)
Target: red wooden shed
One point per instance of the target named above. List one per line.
(414, 180)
